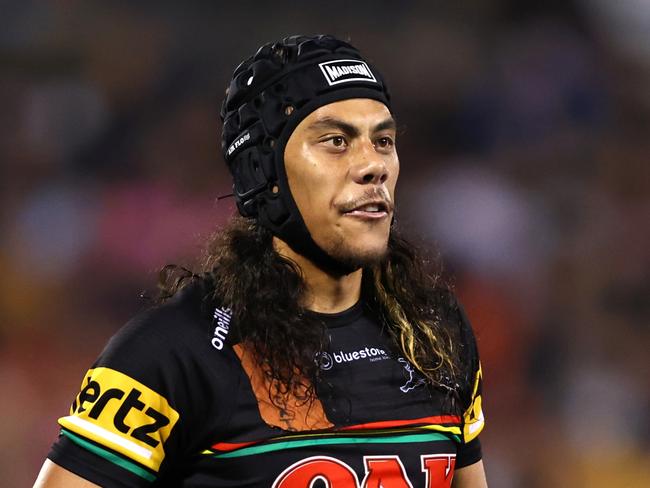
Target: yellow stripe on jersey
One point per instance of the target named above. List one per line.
(441, 428)
(122, 414)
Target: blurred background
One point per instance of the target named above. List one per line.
(525, 151)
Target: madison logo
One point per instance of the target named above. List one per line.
(118, 412)
(344, 70)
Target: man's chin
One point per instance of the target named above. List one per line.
(356, 258)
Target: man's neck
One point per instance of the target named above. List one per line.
(326, 292)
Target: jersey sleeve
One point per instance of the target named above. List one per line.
(473, 419)
(137, 414)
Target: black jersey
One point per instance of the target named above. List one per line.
(174, 400)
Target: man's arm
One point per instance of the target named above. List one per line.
(54, 476)
(472, 476)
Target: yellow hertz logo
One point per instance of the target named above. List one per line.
(474, 421)
(120, 413)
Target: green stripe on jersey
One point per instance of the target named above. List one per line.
(278, 446)
(109, 456)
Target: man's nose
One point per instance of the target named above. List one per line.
(369, 167)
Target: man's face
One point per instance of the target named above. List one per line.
(342, 167)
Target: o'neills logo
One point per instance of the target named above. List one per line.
(344, 70)
(222, 318)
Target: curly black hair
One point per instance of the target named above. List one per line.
(265, 292)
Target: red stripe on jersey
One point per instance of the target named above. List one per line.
(383, 424)
(231, 446)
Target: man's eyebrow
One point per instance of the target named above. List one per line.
(389, 123)
(326, 123)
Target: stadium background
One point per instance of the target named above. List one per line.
(525, 150)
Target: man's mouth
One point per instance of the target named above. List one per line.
(377, 209)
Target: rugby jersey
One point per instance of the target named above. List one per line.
(175, 400)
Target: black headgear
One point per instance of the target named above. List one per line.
(269, 95)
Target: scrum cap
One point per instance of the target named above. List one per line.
(269, 95)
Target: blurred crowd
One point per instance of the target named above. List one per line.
(525, 152)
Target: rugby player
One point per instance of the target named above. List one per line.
(314, 349)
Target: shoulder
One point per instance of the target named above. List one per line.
(171, 346)
(470, 375)
(181, 323)
(453, 315)
(153, 394)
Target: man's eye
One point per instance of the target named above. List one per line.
(385, 142)
(337, 141)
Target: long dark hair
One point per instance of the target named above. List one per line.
(264, 290)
